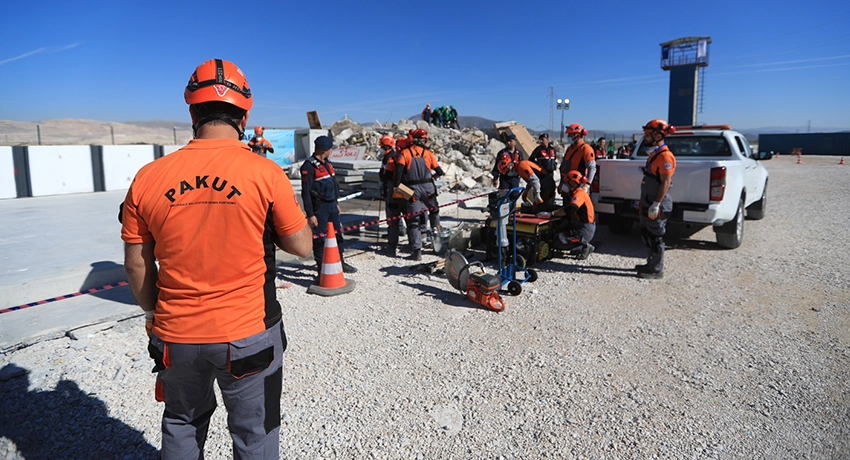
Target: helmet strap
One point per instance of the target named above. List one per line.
(221, 117)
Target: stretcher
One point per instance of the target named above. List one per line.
(534, 236)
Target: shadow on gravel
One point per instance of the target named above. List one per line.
(64, 423)
(300, 275)
(448, 296)
(567, 267)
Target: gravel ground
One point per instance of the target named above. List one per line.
(735, 354)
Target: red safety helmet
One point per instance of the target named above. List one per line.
(576, 177)
(419, 133)
(219, 80)
(659, 126)
(576, 128)
(258, 130)
(387, 140)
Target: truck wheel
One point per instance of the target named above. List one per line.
(619, 225)
(731, 234)
(756, 210)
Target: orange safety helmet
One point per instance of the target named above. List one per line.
(659, 126)
(387, 140)
(526, 168)
(506, 165)
(258, 130)
(219, 80)
(576, 128)
(576, 177)
(402, 143)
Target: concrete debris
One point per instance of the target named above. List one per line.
(467, 153)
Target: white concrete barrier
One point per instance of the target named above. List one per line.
(122, 162)
(60, 169)
(166, 149)
(7, 173)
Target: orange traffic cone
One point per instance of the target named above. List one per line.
(842, 161)
(799, 159)
(331, 280)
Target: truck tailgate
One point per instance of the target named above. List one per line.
(620, 179)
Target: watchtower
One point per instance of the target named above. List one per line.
(686, 59)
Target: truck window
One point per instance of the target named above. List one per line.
(744, 146)
(695, 146)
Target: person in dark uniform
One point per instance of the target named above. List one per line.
(655, 201)
(320, 192)
(544, 155)
(505, 175)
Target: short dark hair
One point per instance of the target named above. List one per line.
(218, 112)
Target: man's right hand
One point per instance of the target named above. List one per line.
(496, 183)
(313, 222)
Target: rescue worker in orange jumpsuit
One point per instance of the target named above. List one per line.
(258, 144)
(578, 157)
(395, 206)
(655, 201)
(414, 168)
(539, 195)
(580, 226)
(505, 176)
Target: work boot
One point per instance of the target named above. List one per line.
(392, 251)
(346, 268)
(642, 268)
(648, 275)
(585, 252)
(417, 255)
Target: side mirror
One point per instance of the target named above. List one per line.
(765, 155)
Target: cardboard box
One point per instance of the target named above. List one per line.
(525, 142)
(405, 191)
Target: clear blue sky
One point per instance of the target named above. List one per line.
(772, 63)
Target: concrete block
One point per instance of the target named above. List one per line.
(122, 162)
(357, 164)
(59, 170)
(7, 173)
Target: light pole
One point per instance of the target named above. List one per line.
(563, 105)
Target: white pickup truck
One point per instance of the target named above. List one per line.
(718, 179)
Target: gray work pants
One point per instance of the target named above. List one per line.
(250, 376)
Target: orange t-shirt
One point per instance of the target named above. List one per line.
(576, 158)
(405, 158)
(662, 164)
(212, 208)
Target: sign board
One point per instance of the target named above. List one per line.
(347, 153)
(283, 142)
(313, 120)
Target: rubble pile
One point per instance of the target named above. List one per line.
(466, 155)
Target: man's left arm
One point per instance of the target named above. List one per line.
(140, 265)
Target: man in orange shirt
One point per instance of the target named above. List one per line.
(413, 168)
(579, 227)
(211, 214)
(655, 201)
(578, 157)
(258, 144)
